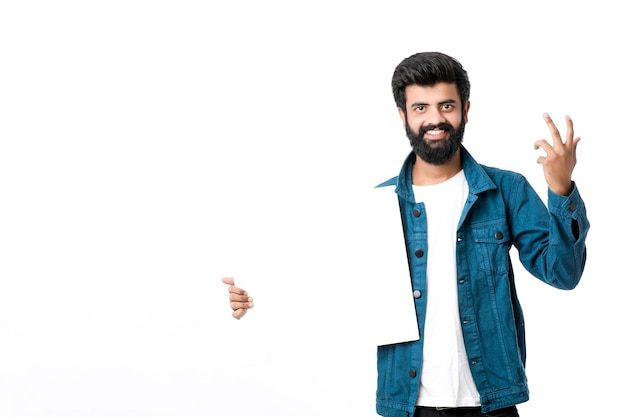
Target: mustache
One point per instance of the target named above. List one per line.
(447, 127)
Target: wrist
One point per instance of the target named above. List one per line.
(563, 190)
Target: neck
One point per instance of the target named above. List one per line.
(429, 174)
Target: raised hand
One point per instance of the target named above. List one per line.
(560, 159)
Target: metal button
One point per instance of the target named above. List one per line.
(412, 373)
(571, 207)
(417, 212)
(499, 235)
(419, 253)
(417, 293)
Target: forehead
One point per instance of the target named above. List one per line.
(436, 93)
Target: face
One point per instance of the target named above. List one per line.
(434, 121)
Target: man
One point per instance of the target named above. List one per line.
(460, 220)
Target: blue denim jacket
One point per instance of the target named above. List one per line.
(502, 210)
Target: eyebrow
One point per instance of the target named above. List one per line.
(448, 101)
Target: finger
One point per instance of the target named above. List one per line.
(240, 297)
(543, 144)
(554, 132)
(236, 305)
(569, 137)
(239, 313)
(228, 280)
(236, 290)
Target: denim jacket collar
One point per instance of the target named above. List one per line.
(477, 179)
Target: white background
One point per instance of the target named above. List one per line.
(149, 147)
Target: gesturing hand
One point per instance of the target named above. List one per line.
(560, 159)
(240, 301)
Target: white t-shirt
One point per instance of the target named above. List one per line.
(446, 380)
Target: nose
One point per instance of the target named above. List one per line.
(436, 116)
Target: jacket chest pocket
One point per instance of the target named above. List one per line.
(492, 246)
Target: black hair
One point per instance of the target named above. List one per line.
(427, 69)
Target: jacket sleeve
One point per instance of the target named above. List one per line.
(550, 241)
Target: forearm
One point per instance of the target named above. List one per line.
(551, 241)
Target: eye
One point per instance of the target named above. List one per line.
(419, 109)
(447, 107)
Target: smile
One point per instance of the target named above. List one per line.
(436, 132)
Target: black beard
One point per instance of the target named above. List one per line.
(436, 152)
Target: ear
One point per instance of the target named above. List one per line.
(466, 111)
(402, 116)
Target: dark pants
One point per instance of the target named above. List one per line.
(464, 412)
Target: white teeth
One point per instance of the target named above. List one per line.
(434, 132)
